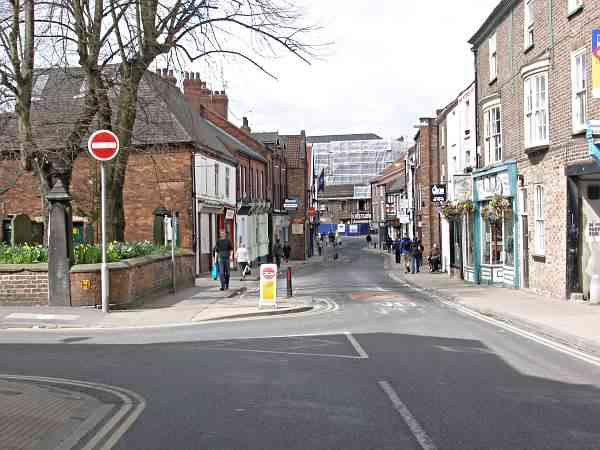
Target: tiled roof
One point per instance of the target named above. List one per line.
(399, 184)
(341, 137)
(163, 117)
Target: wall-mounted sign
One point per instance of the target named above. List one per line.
(341, 227)
(596, 63)
(85, 284)
(229, 214)
(497, 184)
(361, 215)
(403, 203)
(438, 193)
(404, 218)
(297, 228)
(291, 204)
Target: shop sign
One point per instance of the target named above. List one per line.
(341, 227)
(497, 184)
(438, 193)
(404, 218)
(311, 212)
(403, 203)
(463, 187)
(361, 215)
(229, 214)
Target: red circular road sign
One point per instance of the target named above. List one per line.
(103, 145)
(268, 273)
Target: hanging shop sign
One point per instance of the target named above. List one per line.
(438, 193)
(463, 187)
(229, 214)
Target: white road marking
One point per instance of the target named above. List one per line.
(582, 356)
(101, 145)
(418, 432)
(356, 345)
(29, 316)
(112, 428)
(278, 352)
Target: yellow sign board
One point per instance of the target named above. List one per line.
(268, 284)
(85, 284)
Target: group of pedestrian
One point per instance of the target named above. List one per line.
(222, 255)
(409, 253)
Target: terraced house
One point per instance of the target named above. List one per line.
(536, 190)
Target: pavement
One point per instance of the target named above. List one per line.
(576, 324)
(204, 302)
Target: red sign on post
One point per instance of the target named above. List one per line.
(103, 145)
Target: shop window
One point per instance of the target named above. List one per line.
(509, 247)
(217, 180)
(593, 192)
(470, 240)
(528, 24)
(493, 241)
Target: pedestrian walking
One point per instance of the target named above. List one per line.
(222, 252)
(435, 259)
(368, 241)
(420, 250)
(277, 252)
(397, 251)
(414, 256)
(405, 253)
(243, 259)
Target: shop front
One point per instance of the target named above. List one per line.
(494, 229)
(253, 230)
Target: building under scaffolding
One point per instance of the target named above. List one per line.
(354, 162)
(348, 166)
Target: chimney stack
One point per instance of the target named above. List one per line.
(198, 95)
(245, 125)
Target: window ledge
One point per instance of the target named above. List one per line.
(493, 80)
(539, 258)
(574, 12)
(578, 133)
(536, 149)
(528, 48)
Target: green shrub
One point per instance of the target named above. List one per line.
(84, 253)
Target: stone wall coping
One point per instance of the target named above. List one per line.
(79, 268)
(15, 268)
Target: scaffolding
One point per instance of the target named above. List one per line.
(354, 162)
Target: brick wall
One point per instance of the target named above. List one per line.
(558, 37)
(161, 177)
(24, 284)
(129, 280)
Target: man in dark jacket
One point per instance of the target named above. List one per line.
(222, 251)
(277, 252)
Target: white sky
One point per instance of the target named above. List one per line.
(391, 62)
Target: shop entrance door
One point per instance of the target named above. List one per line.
(590, 232)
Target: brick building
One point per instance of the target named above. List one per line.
(390, 207)
(533, 63)
(425, 167)
(178, 161)
(338, 205)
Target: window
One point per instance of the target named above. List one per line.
(470, 239)
(536, 110)
(38, 86)
(493, 241)
(528, 24)
(579, 89)
(343, 206)
(216, 180)
(244, 182)
(509, 248)
(574, 5)
(227, 182)
(539, 219)
(493, 57)
(493, 134)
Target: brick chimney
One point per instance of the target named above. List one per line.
(245, 125)
(167, 75)
(197, 94)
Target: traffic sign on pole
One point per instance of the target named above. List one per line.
(103, 145)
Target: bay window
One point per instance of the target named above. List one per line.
(536, 109)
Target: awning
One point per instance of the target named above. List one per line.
(244, 210)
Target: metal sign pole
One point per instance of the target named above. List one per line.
(103, 268)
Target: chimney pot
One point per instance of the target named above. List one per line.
(170, 74)
(186, 75)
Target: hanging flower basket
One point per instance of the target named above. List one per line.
(467, 206)
(495, 209)
(451, 211)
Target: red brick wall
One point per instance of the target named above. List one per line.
(28, 286)
(297, 186)
(129, 281)
(161, 177)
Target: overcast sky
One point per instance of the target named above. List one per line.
(390, 62)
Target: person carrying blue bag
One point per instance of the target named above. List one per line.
(222, 251)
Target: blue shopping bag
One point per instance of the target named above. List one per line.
(214, 273)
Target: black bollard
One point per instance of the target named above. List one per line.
(289, 282)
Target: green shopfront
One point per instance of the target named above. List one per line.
(492, 241)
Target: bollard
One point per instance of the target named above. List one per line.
(289, 282)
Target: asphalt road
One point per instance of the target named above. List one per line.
(389, 369)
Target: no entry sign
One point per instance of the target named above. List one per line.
(103, 145)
